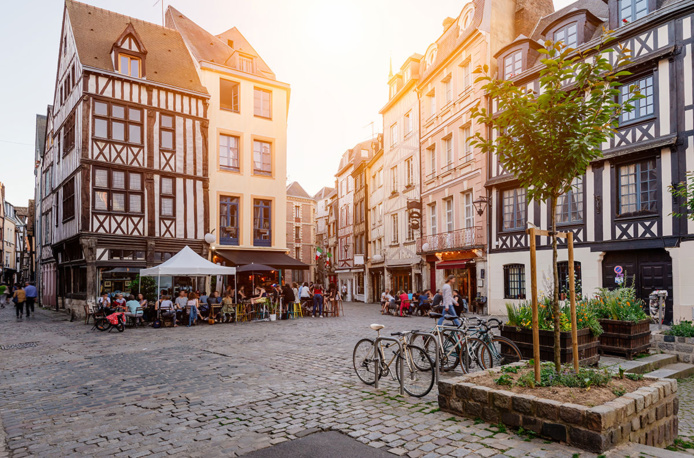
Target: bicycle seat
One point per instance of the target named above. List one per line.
(434, 315)
(377, 327)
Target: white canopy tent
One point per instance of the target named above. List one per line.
(186, 263)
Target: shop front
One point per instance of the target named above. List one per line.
(463, 266)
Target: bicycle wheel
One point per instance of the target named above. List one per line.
(417, 381)
(120, 327)
(364, 361)
(101, 324)
(503, 351)
(448, 355)
(475, 355)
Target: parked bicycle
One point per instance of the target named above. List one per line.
(418, 370)
(456, 347)
(503, 350)
(107, 320)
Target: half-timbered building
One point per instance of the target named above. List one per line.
(620, 211)
(128, 153)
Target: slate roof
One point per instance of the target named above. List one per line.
(207, 47)
(295, 189)
(324, 193)
(597, 7)
(96, 30)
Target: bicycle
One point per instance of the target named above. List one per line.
(503, 350)
(456, 347)
(102, 322)
(418, 370)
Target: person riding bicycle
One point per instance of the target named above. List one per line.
(448, 305)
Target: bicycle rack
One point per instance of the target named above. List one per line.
(436, 343)
(378, 363)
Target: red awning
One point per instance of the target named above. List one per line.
(453, 264)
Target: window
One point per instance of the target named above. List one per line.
(394, 134)
(229, 95)
(380, 212)
(297, 253)
(262, 103)
(129, 65)
(432, 103)
(69, 134)
(465, 74)
(631, 10)
(513, 207)
(567, 35)
(229, 152)
(297, 233)
(379, 177)
(69, 200)
(246, 64)
(47, 181)
(167, 132)
(449, 214)
(395, 228)
(394, 179)
(117, 191)
(229, 220)
(408, 124)
(432, 219)
(448, 147)
(638, 188)
(467, 148)
(469, 210)
(409, 170)
(448, 89)
(513, 64)
(514, 281)
(432, 161)
(262, 232)
(410, 232)
(563, 270)
(167, 200)
(570, 205)
(297, 211)
(117, 122)
(262, 158)
(643, 108)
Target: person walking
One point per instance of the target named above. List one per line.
(30, 291)
(317, 300)
(19, 298)
(448, 305)
(3, 295)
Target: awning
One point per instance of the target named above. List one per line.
(187, 263)
(453, 264)
(276, 259)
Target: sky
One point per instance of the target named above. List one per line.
(335, 55)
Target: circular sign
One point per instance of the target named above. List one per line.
(618, 270)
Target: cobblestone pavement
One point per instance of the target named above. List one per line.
(685, 391)
(222, 390)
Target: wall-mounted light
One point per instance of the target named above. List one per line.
(481, 203)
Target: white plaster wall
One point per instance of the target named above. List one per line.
(682, 286)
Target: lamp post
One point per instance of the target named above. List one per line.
(209, 239)
(481, 203)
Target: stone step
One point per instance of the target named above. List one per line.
(639, 450)
(639, 365)
(677, 370)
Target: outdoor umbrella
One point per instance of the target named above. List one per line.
(253, 268)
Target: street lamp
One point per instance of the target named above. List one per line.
(481, 203)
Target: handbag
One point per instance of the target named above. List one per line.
(15, 299)
(210, 320)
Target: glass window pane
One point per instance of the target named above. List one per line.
(167, 121)
(167, 206)
(118, 131)
(117, 111)
(167, 139)
(167, 186)
(135, 182)
(123, 65)
(118, 201)
(118, 180)
(135, 203)
(100, 128)
(101, 108)
(134, 133)
(134, 115)
(135, 68)
(101, 200)
(101, 178)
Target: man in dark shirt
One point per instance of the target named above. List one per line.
(437, 301)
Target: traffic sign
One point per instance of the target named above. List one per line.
(618, 270)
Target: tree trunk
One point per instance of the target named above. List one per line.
(555, 293)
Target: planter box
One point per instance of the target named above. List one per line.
(646, 416)
(587, 345)
(627, 338)
(682, 347)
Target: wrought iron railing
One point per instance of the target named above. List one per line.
(458, 239)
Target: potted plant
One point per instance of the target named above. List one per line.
(519, 329)
(272, 309)
(626, 325)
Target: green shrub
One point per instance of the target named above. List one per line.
(682, 329)
(618, 304)
(521, 316)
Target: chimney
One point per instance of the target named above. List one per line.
(447, 23)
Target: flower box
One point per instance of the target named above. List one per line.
(627, 338)
(587, 344)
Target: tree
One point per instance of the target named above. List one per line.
(685, 191)
(547, 139)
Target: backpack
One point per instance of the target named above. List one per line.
(156, 324)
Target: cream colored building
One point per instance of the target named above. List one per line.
(247, 145)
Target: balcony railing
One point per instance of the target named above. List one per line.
(459, 239)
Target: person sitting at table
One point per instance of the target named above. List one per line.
(295, 290)
(148, 314)
(103, 302)
(424, 302)
(288, 297)
(228, 310)
(389, 303)
(132, 305)
(119, 303)
(193, 303)
(166, 308)
(404, 304)
(437, 302)
(204, 308)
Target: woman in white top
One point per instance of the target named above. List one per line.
(166, 308)
(193, 304)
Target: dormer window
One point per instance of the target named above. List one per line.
(513, 64)
(631, 10)
(246, 64)
(567, 35)
(129, 65)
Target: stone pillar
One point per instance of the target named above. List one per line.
(89, 250)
